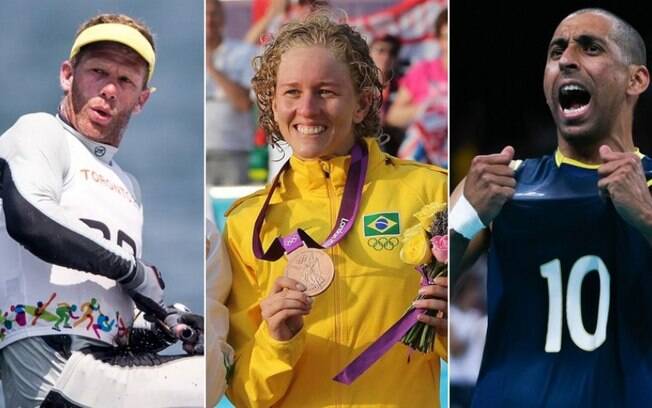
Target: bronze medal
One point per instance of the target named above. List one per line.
(312, 267)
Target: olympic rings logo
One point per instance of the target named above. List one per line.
(383, 243)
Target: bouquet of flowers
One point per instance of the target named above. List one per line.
(425, 245)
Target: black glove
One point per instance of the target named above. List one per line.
(187, 327)
(176, 322)
(152, 310)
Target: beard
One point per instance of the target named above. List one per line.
(111, 133)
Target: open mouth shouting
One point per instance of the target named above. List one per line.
(574, 101)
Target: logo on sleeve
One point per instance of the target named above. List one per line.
(382, 224)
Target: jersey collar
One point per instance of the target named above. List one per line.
(561, 159)
(101, 151)
(316, 174)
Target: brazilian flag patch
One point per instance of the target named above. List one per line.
(381, 224)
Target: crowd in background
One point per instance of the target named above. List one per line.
(408, 41)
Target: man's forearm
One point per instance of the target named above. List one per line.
(237, 95)
(55, 237)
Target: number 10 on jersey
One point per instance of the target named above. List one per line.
(551, 271)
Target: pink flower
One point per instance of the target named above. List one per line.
(440, 247)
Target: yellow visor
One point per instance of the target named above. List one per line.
(119, 33)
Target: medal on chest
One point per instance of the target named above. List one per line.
(308, 263)
(311, 267)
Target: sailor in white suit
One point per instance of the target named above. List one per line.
(71, 236)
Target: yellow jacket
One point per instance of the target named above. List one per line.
(371, 290)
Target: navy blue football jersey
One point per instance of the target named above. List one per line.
(569, 293)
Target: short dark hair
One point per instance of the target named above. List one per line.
(392, 40)
(624, 35)
(441, 21)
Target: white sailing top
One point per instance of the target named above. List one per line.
(70, 225)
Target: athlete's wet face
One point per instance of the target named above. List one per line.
(586, 78)
(315, 104)
(102, 90)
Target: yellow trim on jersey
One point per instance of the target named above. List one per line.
(119, 33)
(561, 159)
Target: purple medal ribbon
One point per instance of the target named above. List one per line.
(348, 211)
(379, 347)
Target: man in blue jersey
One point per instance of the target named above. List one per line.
(569, 234)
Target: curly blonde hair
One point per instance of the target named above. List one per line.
(346, 44)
